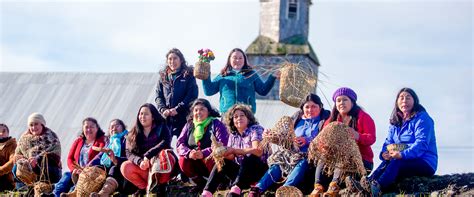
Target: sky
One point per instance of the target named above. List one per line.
(374, 47)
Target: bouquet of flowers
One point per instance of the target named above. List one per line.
(202, 69)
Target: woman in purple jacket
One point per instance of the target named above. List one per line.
(194, 143)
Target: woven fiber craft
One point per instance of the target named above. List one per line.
(335, 146)
(41, 187)
(218, 151)
(281, 134)
(396, 147)
(90, 180)
(202, 70)
(296, 82)
(24, 172)
(287, 191)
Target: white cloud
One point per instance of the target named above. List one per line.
(16, 62)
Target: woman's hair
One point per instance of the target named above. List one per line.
(229, 117)
(246, 68)
(138, 127)
(200, 101)
(354, 112)
(395, 118)
(99, 133)
(184, 64)
(4, 125)
(120, 123)
(312, 97)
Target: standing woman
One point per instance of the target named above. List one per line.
(308, 122)
(237, 83)
(80, 154)
(362, 128)
(149, 138)
(37, 144)
(175, 90)
(194, 143)
(7, 159)
(412, 130)
(245, 162)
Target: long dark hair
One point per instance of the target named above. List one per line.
(229, 117)
(246, 68)
(184, 65)
(354, 113)
(395, 118)
(138, 127)
(200, 101)
(99, 133)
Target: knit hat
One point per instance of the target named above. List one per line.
(36, 117)
(346, 92)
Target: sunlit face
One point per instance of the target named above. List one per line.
(35, 128)
(237, 60)
(3, 132)
(115, 127)
(200, 112)
(241, 121)
(311, 109)
(343, 104)
(145, 117)
(174, 62)
(90, 129)
(405, 102)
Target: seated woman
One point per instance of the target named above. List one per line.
(80, 154)
(307, 124)
(111, 157)
(7, 159)
(39, 148)
(149, 138)
(412, 134)
(194, 143)
(245, 162)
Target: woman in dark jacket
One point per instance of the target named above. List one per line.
(175, 90)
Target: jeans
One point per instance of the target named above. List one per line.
(64, 185)
(274, 174)
(389, 171)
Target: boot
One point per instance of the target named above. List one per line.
(333, 189)
(317, 191)
(70, 194)
(108, 189)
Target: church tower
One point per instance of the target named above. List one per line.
(284, 26)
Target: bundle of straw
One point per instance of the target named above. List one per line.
(396, 147)
(285, 191)
(281, 134)
(218, 151)
(296, 82)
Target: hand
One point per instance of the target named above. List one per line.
(166, 113)
(145, 164)
(300, 141)
(18, 157)
(111, 155)
(386, 155)
(76, 171)
(277, 74)
(266, 133)
(395, 154)
(173, 112)
(33, 162)
(229, 151)
(354, 133)
(198, 154)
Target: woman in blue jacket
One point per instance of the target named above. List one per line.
(175, 90)
(410, 147)
(237, 83)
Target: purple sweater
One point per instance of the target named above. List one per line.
(218, 129)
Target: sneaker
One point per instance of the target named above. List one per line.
(352, 185)
(317, 191)
(333, 189)
(254, 192)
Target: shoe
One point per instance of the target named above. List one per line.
(234, 191)
(317, 191)
(139, 193)
(333, 189)
(352, 185)
(107, 189)
(254, 192)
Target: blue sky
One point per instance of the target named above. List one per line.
(374, 47)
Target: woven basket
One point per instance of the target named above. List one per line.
(287, 191)
(90, 180)
(24, 172)
(42, 187)
(396, 147)
(202, 70)
(296, 82)
(281, 134)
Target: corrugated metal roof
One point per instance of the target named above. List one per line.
(65, 99)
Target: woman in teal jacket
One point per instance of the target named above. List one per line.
(410, 147)
(237, 83)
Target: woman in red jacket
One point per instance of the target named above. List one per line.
(362, 128)
(81, 153)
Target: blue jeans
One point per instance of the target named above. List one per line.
(64, 185)
(274, 174)
(389, 171)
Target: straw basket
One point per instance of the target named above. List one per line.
(296, 82)
(90, 180)
(396, 147)
(281, 134)
(24, 172)
(202, 70)
(41, 187)
(287, 191)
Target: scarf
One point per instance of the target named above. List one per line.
(115, 144)
(199, 128)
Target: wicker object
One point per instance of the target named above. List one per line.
(287, 191)
(90, 180)
(202, 70)
(396, 147)
(218, 151)
(281, 134)
(335, 146)
(296, 82)
(41, 187)
(24, 172)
